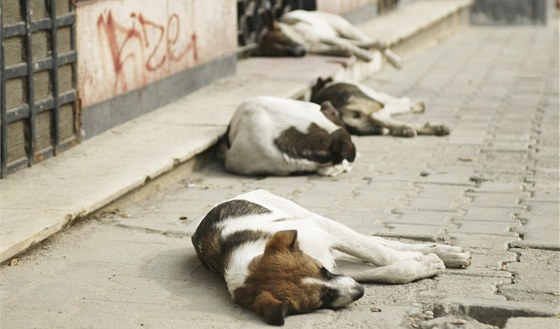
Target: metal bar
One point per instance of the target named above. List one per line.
(308, 4)
(54, 78)
(3, 123)
(14, 30)
(31, 131)
(19, 113)
(41, 24)
(15, 71)
(22, 112)
(20, 70)
(68, 19)
(77, 103)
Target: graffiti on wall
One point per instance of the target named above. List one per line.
(141, 46)
(126, 45)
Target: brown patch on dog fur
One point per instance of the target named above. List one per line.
(274, 43)
(317, 144)
(274, 286)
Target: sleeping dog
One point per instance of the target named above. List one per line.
(271, 135)
(365, 111)
(278, 258)
(316, 32)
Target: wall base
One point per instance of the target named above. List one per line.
(512, 12)
(117, 110)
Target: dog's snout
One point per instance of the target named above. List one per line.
(297, 50)
(341, 290)
(358, 292)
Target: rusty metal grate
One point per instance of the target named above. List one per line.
(39, 112)
(250, 18)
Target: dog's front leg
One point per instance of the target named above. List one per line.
(452, 256)
(401, 272)
(396, 128)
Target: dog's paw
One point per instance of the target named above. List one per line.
(331, 171)
(457, 260)
(418, 107)
(404, 131)
(429, 265)
(453, 257)
(433, 262)
(441, 130)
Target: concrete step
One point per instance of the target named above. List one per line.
(40, 201)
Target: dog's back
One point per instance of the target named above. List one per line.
(269, 135)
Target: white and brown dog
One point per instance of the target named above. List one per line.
(365, 111)
(300, 31)
(271, 135)
(278, 258)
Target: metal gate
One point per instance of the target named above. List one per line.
(250, 18)
(39, 113)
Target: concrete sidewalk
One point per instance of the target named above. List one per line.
(491, 186)
(40, 201)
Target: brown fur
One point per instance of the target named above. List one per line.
(273, 287)
(274, 43)
(317, 144)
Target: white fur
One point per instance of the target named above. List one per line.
(322, 239)
(258, 122)
(321, 33)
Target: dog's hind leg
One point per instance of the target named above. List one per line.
(344, 28)
(362, 54)
(329, 50)
(402, 272)
(358, 245)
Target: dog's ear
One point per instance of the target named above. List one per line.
(331, 113)
(271, 308)
(282, 240)
(342, 147)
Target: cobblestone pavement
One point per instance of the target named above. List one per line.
(492, 186)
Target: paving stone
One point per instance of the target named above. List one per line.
(490, 311)
(466, 286)
(503, 199)
(526, 322)
(485, 228)
(501, 214)
(499, 187)
(412, 216)
(536, 277)
(545, 208)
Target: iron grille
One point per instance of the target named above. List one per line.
(39, 112)
(384, 6)
(250, 18)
